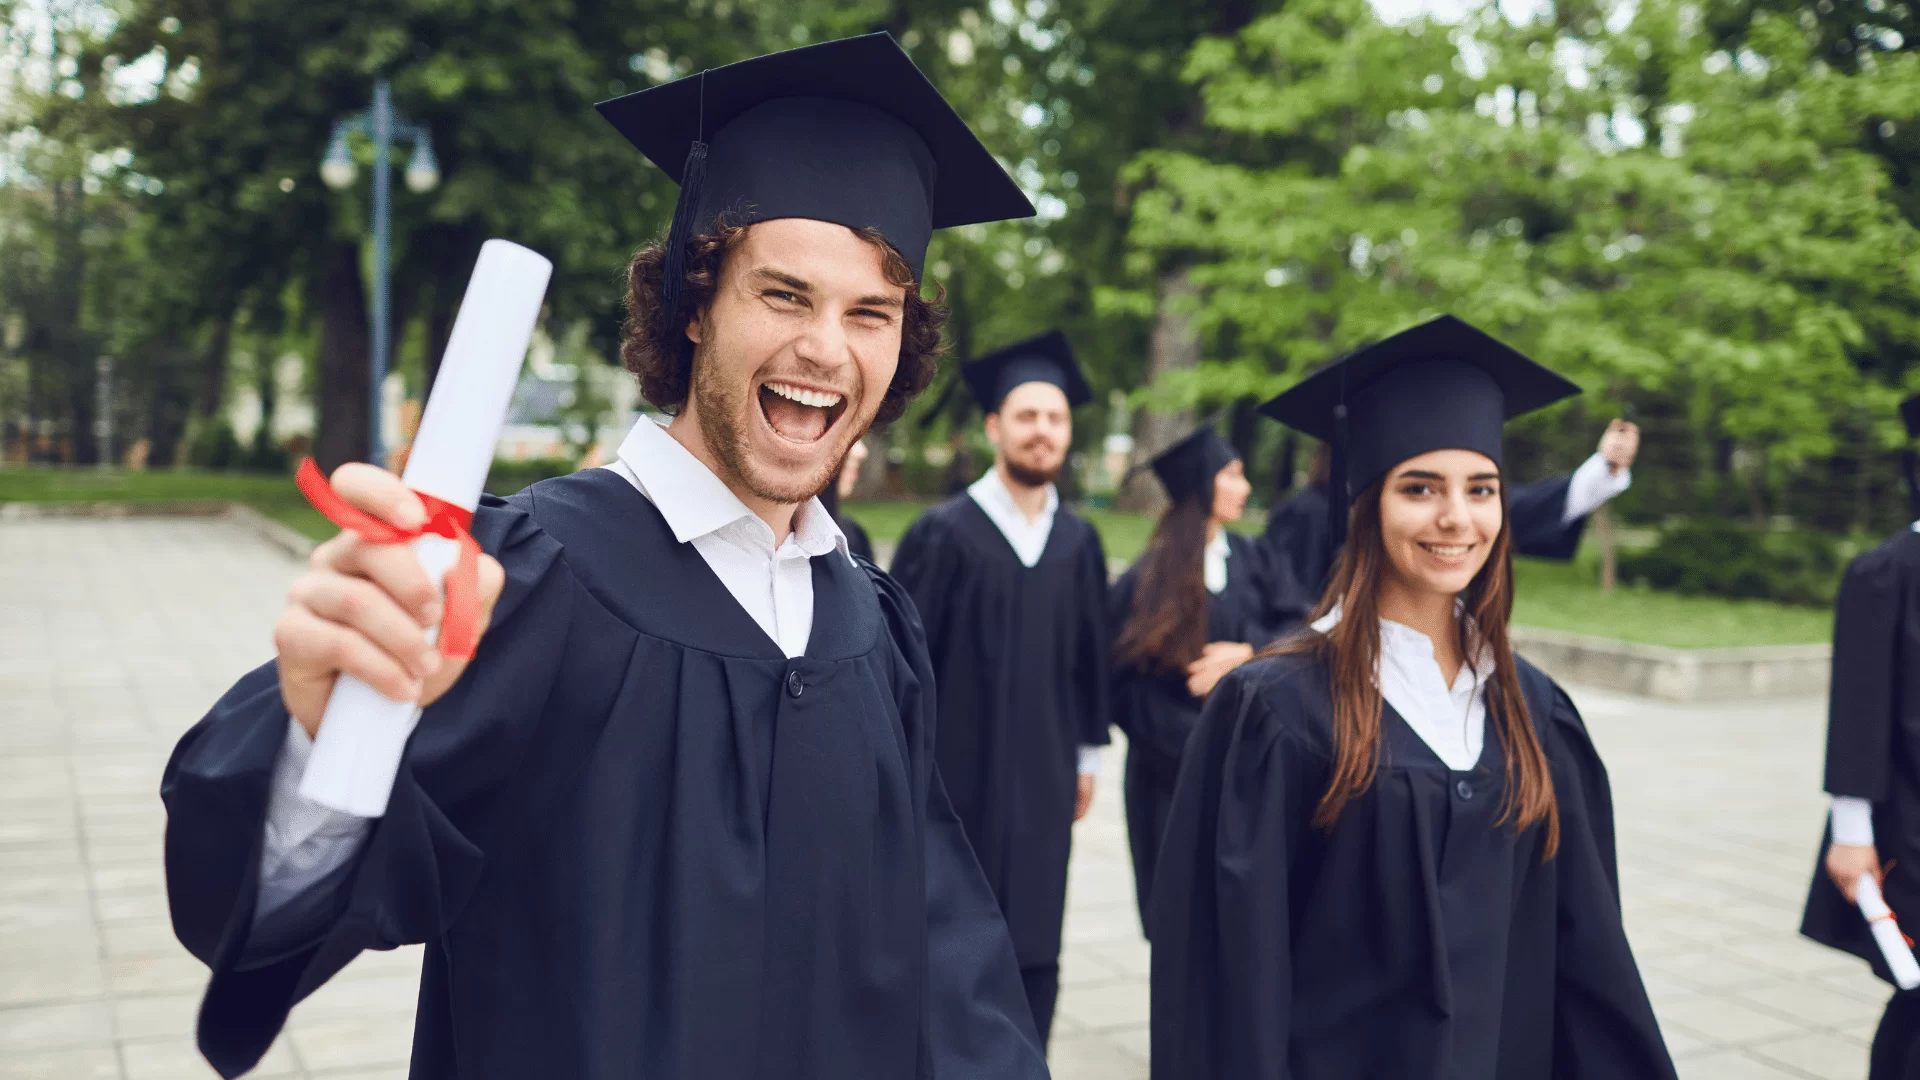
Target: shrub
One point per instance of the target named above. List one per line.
(507, 477)
(1724, 558)
(214, 446)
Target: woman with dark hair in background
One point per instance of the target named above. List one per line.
(1390, 850)
(1196, 605)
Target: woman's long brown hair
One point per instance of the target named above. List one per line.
(1167, 626)
(1351, 651)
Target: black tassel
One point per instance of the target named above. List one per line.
(1910, 469)
(692, 178)
(1339, 498)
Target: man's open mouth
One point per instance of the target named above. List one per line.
(800, 414)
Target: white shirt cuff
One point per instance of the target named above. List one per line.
(1852, 821)
(304, 841)
(1592, 485)
(1089, 761)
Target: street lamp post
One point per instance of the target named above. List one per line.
(423, 174)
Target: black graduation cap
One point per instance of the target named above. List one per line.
(1187, 468)
(1046, 358)
(1442, 385)
(846, 131)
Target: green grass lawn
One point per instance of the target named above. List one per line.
(274, 496)
(1567, 596)
(1558, 596)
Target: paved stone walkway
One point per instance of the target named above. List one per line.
(116, 635)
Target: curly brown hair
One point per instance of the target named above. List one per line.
(662, 358)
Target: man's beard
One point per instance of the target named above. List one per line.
(1029, 476)
(721, 414)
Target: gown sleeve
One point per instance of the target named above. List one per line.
(1604, 1027)
(1537, 510)
(978, 1021)
(421, 860)
(921, 566)
(1095, 676)
(1296, 539)
(1222, 956)
(1860, 706)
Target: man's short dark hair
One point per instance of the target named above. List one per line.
(662, 357)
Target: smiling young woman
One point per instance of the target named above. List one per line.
(1390, 849)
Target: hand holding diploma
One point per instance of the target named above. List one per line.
(364, 609)
(372, 608)
(1886, 933)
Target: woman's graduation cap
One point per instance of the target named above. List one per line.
(846, 131)
(1187, 468)
(1442, 385)
(1046, 358)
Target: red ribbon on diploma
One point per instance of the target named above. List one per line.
(460, 629)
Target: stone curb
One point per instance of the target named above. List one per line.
(1654, 671)
(1669, 674)
(246, 517)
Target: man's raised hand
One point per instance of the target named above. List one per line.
(364, 609)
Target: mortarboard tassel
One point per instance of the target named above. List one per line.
(1339, 499)
(693, 177)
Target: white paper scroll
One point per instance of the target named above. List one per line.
(362, 735)
(1886, 933)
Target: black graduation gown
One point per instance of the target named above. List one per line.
(637, 840)
(1873, 739)
(1296, 532)
(1021, 658)
(1419, 940)
(1158, 713)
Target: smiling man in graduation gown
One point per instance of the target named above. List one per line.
(1873, 766)
(680, 817)
(1548, 516)
(1012, 589)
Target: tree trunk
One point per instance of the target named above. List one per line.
(1173, 347)
(345, 373)
(167, 418)
(213, 369)
(451, 269)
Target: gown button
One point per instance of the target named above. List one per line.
(795, 684)
(1463, 789)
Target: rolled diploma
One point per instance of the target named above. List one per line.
(1886, 934)
(363, 734)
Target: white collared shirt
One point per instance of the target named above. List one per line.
(1027, 537)
(305, 842)
(1213, 562)
(1451, 720)
(773, 584)
(1593, 483)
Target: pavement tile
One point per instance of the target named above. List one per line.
(175, 1057)
(54, 1027)
(1100, 1008)
(1092, 1057)
(1733, 1065)
(79, 1063)
(1829, 1057)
